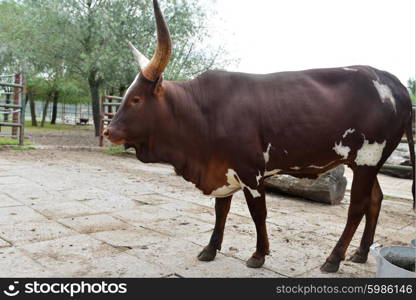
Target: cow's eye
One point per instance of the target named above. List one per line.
(136, 100)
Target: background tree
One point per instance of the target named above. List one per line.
(87, 39)
(411, 85)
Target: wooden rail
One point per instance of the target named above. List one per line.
(17, 123)
(107, 113)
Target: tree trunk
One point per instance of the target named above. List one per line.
(95, 104)
(55, 107)
(6, 116)
(45, 109)
(32, 109)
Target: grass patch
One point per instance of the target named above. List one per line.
(21, 148)
(7, 141)
(115, 150)
(56, 127)
(118, 150)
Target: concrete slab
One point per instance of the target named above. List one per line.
(69, 256)
(89, 214)
(14, 263)
(223, 267)
(64, 209)
(145, 214)
(93, 223)
(121, 265)
(128, 238)
(4, 243)
(19, 214)
(6, 201)
(30, 232)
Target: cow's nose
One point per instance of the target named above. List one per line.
(114, 136)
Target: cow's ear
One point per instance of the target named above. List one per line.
(158, 88)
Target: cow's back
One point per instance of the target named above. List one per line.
(302, 114)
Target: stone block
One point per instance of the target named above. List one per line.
(328, 188)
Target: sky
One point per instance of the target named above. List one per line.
(282, 35)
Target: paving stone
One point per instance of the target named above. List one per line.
(19, 214)
(93, 223)
(289, 255)
(347, 269)
(29, 194)
(144, 221)
(179, 226)
(111, 204)
(29, 232)
(128, 238)
(6, 201)
(225, 267)
(395, 236)
(121, 265)
(4, 243)
(79, 194)
(145, 214)
(172, 254)
(64, 209)
(150, 199)
(12, 180)
(68, 256)
(14, 263)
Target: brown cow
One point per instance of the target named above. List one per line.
(226, 131)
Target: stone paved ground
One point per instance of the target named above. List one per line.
(67, 213)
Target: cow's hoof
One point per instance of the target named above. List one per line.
(330, 267)
(359, 257)
(255, 262)
(207, 254)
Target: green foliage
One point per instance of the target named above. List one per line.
(74, 48)
(87, 40)
(71, 90)
(411, 85)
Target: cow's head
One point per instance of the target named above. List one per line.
(135, 121)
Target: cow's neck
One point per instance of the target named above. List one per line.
(181, 132)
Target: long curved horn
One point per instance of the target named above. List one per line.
(163, 51)
(141, 60)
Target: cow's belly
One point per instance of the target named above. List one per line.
(230, 187)
(225, 191)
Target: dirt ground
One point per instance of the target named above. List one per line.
(86, 213)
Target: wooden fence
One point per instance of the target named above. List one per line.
(16, 109)
(107, 110)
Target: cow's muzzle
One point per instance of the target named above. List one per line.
(113, 136)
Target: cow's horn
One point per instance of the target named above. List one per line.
(163, 51)
(141, 60)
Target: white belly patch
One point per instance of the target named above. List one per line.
(233, 185)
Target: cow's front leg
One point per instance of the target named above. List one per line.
(222, 207)
(256, 202)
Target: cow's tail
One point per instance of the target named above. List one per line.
(411, 143)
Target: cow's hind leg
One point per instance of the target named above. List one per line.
(222, 207)
(362, 186)
(371, 217)
(258, 211)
